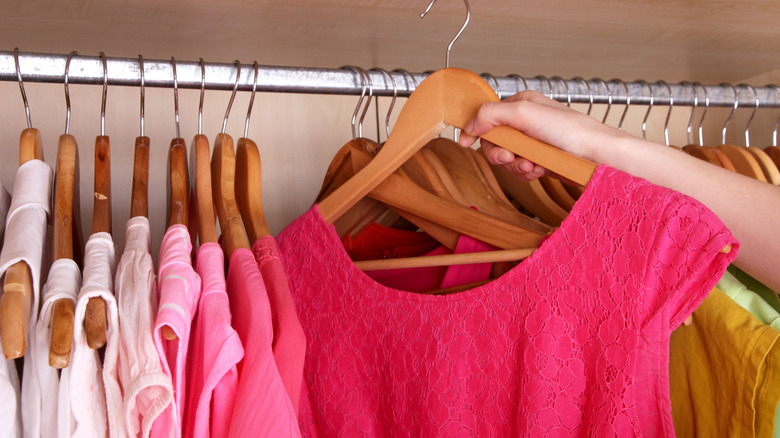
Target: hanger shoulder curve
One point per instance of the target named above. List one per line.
(223, 172)
(178, 199)
(768, 166)
(139, 197)
(16, 302)
(207, 224)
(743, 161)
(448, 97)
(66, 239)
(249, 193)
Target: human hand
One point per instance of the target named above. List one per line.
(544, 119)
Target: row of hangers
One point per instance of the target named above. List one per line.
(227, 183)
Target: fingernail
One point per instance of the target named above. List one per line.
(505, 156)
(469, 127)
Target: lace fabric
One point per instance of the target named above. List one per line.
(571, 342)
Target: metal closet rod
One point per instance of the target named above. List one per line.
(50, 68)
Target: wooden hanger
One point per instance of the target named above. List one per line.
(95, 320)
(540, 204)
(743, 161)
(16, 302)
(468, 177)
(178, 211)
(139, 196)
(768, 166)
(448, 97)
(207, 225)
(67, 238)
(249, 193)
(223, 176)
(223, 173)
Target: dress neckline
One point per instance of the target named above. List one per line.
(342, 259)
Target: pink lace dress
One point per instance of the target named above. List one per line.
(573, 341)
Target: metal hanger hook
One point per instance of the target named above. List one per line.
(733, 111)
(609, 98)
(21, 87)
(689, 129)
(649, 107)
(67, 92)
(406, 72)
(465, 23)
(517, 79)
(392, 102)
(360, 100)
(628, 100)
(566, 86)
(497, 87)
(202, 94)
(175, 96)
(755, 108)
(233, 95)
(143, 90)
(368, 101)
(703, 114)
(541, 78)
(668, 113)
(105, 94)
(251, 100)
(590, 92)
(777, 124)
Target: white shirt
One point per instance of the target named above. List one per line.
(63, 283)
(24, 241)
(94, 392)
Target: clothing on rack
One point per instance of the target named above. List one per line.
(216, 350)
(578, 332)
(93, 383)
(5, 202)
(24, 241)
(289, 340)
(63, 282)
(179, 291)
(725, 362)
(262, 404)
(147, 389)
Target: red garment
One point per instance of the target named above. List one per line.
(573, 341)
(262, 407)
(381, 242)
(289, 341)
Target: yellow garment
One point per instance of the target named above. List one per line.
(724, 372)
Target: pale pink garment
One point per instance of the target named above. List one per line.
(573, 341)
(263, 408)
(25, 241)
(289, 341)
(94, 392)
(148, 390)
(179, 289)
(215, 351)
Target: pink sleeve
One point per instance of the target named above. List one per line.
(289, 341)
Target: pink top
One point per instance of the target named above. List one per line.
(178, 290)
(289, 341)
(216, 349)
(573, 341)
(262, 405)
(148, 390)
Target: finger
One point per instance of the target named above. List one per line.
(466, 140)
(688, 321)
(496, 154)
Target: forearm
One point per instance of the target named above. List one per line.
(749, 208)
